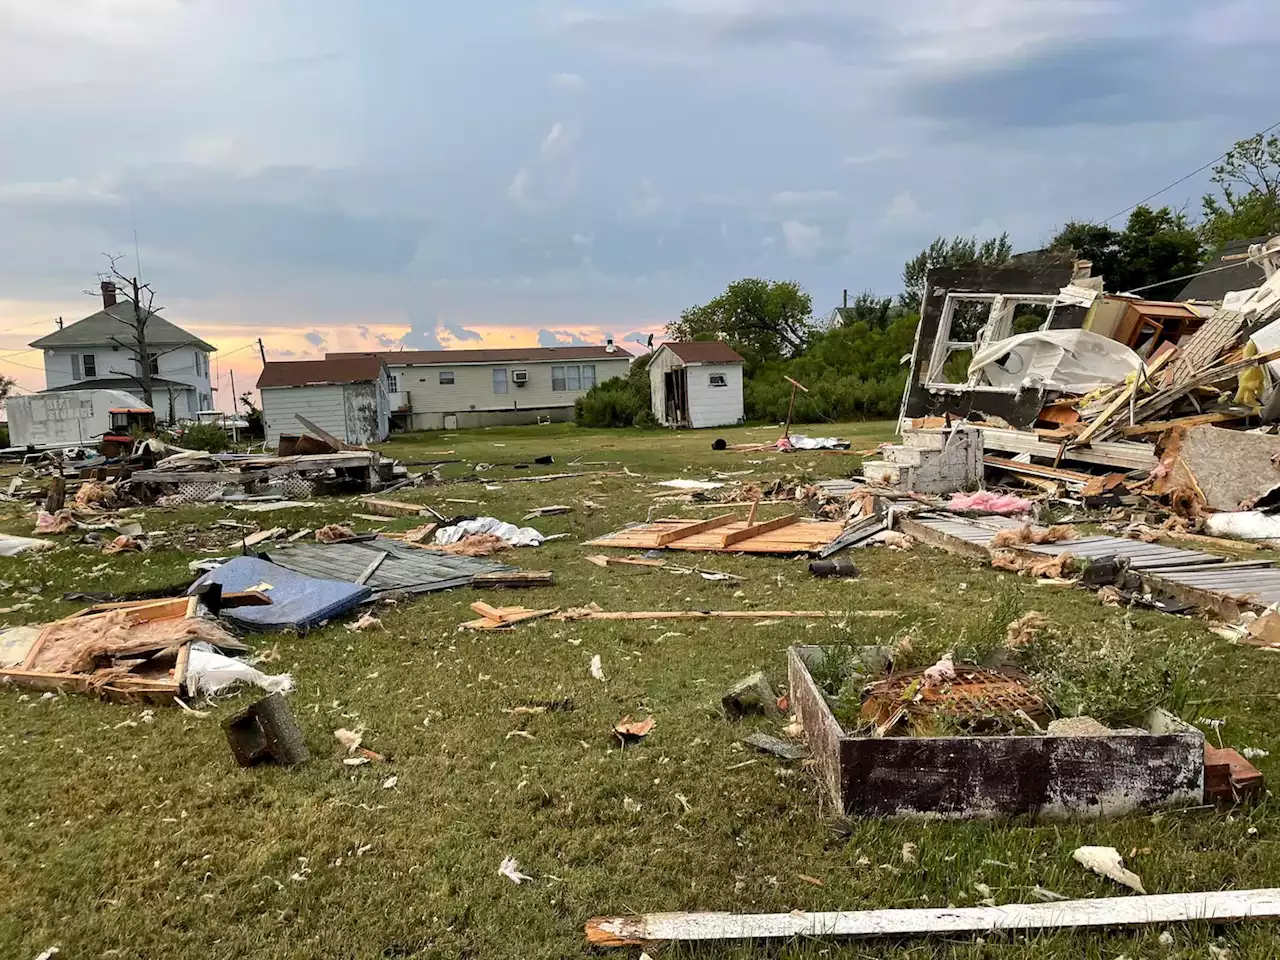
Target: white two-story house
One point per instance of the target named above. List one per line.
(92, 354)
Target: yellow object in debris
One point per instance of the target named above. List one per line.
(1251, 382)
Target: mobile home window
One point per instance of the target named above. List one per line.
(446, 378)
(392, 385)
(576, 377)
(718, 380)
(499, 379)
(90, 366)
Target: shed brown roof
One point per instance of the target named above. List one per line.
(704, 351)
(301, 373)
(503, 355)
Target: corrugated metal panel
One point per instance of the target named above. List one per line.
(407, 569)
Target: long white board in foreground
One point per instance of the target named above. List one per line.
(1107, 912)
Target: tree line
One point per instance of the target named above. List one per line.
(851, 358)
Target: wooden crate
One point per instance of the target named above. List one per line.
(985, 776)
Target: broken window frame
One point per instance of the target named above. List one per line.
(998, 326)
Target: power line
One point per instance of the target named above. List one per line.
(1183, 179)
(1189, 276)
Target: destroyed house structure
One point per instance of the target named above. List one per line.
(457, 389)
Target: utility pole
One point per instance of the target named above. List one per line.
(235, 434)
(262, 352)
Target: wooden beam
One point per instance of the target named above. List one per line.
(1213, 907)
(324, 435)
(694, 614)
(392, 508)
(748, 533)
(1160, 426)
(513, 579)
(372, 568)
(487, 611)
(698, 526)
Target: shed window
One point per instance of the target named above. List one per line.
(499, 379)
(446, 378)
(718, 380)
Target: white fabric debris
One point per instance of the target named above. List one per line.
(690, 484)
(511, 870)
(801, 442)
(1106, 862)
(209, 672)
(516, 536)
(1243, 525)
(597, 668)
(1074, 361)
(12, 546)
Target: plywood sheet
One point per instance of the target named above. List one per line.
(793, 538)
(1223, 467)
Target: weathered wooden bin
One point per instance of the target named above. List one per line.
(985, 776)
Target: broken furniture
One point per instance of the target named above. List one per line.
(967, 776)
(121, 651)
(726, 534)
(265, 731)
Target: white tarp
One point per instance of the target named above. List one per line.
(516, 536)
(1074, 361)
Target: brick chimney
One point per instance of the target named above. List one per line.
(108, 294)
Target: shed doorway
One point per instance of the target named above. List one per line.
(676, 386)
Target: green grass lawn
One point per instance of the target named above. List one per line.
(136, 836)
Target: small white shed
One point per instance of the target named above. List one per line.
(347, 398)
(696, 384)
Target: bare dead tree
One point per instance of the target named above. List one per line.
(141, 298)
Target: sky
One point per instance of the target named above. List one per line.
(328, 175)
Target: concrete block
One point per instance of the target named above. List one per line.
(265, 732)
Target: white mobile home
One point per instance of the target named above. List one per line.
(347, 398)
(65, 418)
(696, 384)
(452, 389)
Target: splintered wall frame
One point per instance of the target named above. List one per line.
(998, 326)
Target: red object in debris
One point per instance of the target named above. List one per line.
(1229, 777)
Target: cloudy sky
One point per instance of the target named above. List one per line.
(331, 175)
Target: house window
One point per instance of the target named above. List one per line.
(576, 377)
(970, 322)
(90, 366)
(202, 364)
(75, 367)
(446, 378)
(499, 379)
(392, 385)
(718, 380)
(155, 364)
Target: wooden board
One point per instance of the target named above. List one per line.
(800, 537)
(503, 617)
(391, 508)
(694, 614)
(689, 528)
(1104, 912)
(514, 579)
(753, 530)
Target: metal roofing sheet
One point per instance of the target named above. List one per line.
(407, 569)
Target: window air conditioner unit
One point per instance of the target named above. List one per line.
(519, 377)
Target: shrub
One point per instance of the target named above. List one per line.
(621, 402)
(208, 437)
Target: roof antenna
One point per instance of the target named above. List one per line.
(137, 260)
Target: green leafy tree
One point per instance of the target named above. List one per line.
(1249, 180)
(1155, 246)
(763, 320)
(958, 252)
(868, 308)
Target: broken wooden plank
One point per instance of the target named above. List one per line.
(392, 508)
(323, 434)
(487, 611)
(750, 532)
(696, 527)
(1121, 401)
(1215, 906)
(1160, 426)
(691, 614)
(514, 579)
(372, 568)
(506, 617)
(262, 536)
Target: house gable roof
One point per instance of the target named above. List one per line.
(99, 329)
(435, 358)
(306, 373)
(704, 351)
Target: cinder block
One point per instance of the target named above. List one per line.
(265, 732)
